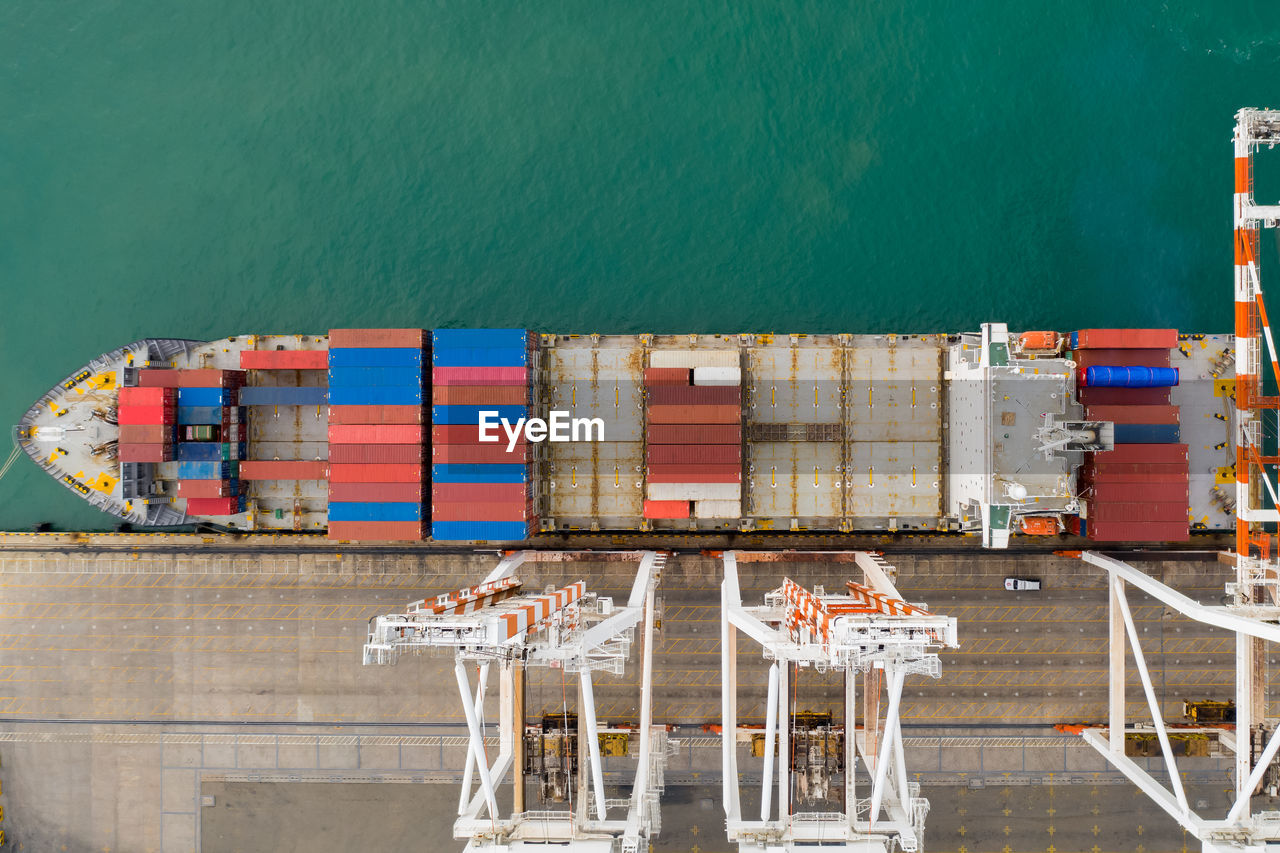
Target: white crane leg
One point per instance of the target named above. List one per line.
(593, 740)
(469, 770)
(770, 735)
(477, 738)
(883, 754)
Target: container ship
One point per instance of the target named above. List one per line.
(380, 434)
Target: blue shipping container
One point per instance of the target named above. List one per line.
(370, 396)
(375, 357)
(1147, 433)
(471, 414)
(345, 511)
(205, 396)
(480, 338)
(479, 357)
(208, 470)
(474, 472)
(198, 415)
(360, 377)
(1075, 344)
(1109, 376)
(490, 531)
(311, 395)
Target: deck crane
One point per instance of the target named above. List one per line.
(494, 625)
(867, 629)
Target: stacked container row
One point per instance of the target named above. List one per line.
(694, 435)
(481, 489)
(376, 469)
(147, 419)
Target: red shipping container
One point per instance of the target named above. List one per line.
(1126, 339)
(283, 469)
(375, 414)
(666, 509)
(1143, 453)
(1137, 512)
(465, 454)
(1110, 491)
(202, 488)
(376, 531)
(479, 376)
(144, 452)
(695, 434)
(1127, 531)
(695, 414)
(695, 395)
(146, 434)
(479, 492)
(695, 473)
(520, 510)
(1134, 414)
(372, 473)
(395, 493)
(285, 359)
(694, 454)
(667, 376)
(213, 506)
(1121, 473)
(1123, 396)
(153, 377)
(139, 396)
(479, 395)
(1122, 357)
(197, 378)
(375, 434)
(377, 339)
(388, 453)
(469, 434)
(130, 415)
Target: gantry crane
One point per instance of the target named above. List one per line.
(495, 625)
(867, 629)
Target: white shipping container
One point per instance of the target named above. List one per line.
(717, 375)
(695, 492)
(717, 509)
(694, 358)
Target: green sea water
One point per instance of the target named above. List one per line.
(202, 169)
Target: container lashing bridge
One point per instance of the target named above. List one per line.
(495, 625)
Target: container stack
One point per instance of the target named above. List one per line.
(694, 435)
(1138, 492)
(480, 490)
(211, 436)
(376, 438)
(148, 418)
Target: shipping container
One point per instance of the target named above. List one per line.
(375, 414)
(479, 395)
(480, 376)
(284, 469)
(695, 473)
(1118, 472)
(488, 357)
(381, 377)
(1124, 339)
(717, 376)
(695, 454)
(144, 452)
(349, 358)
(1086, 358)
(374, 473)
(153, 377)
(224, 470)
(146, 434)
(1146, 433)
(1143, 453)
(693, 491)
(1119, 492)
(375, 433)
(376, 492)
(376, 531)
(717, 509)
(471, 414)
(694, 414)
(482, 531)
(134, 415)
(209, 415)
(694, 434)
(695, 395)
(376, 396)
(1091, 397)
(374, 511)
(377, 339)
(482, 339)
(216, 506)
(479, 473)
(1117, 376)
(285, 359)
(1134, 414)
(666, 509)
(1126, 531)
(272, 395)
(188, 397)
(480, 492)
(470, 434)
(1138, 511)
(694, 358)
(205, 489)
(138, 396)
(481, 511)
(394, 454)
(209, 451)
(667, 376)
(190, 378)
(471, 454)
